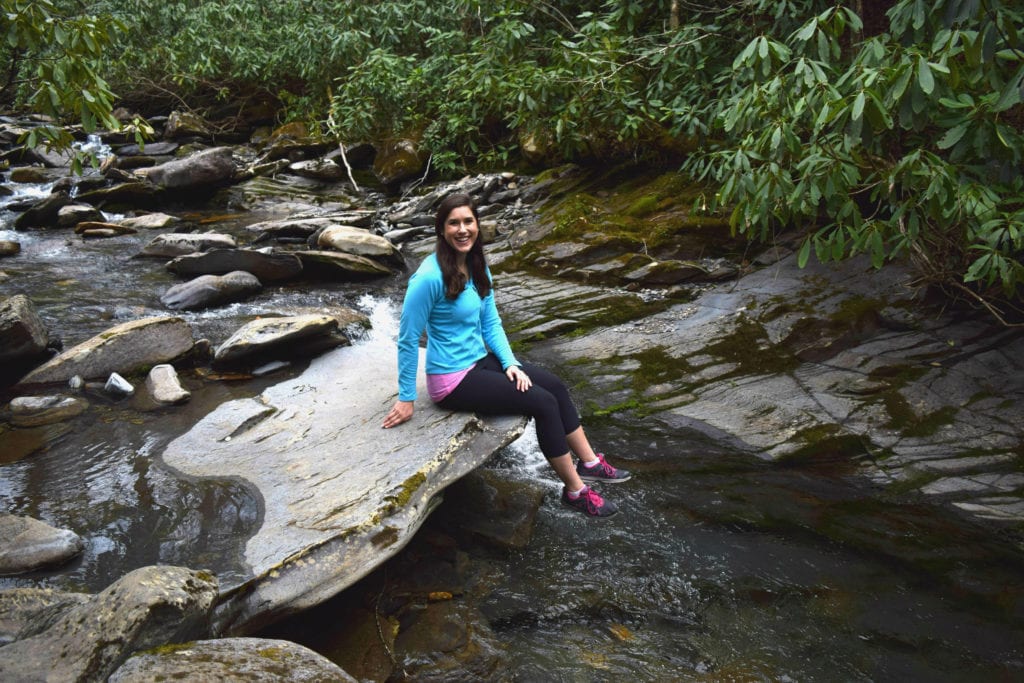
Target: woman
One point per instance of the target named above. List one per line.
(470, 366)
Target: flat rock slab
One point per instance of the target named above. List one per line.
(340, 494)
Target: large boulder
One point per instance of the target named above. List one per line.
(23, 337)
(304, 227)
(231, 660)
(174, 244)
(204, 170)
(151, 221)
(24, 612)
(27, 544)
(146, 608)
(340, 494)
(360, 242)
(399, 160)
(183, 125)
(125, 349)
(335, 264)
(291, 336)
(211, 290)
(267, 265)
(73, 214)
(43, 214)
(318, 169)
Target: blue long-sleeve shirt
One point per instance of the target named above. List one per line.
(459, 332)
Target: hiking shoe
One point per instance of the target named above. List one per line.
(602, 472)
(589, 503)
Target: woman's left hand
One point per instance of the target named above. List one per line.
(516, 374)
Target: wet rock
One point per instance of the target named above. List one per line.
(123, 194)
(73, 214)
(306, 227)
(28, 544)
(289, 336)
(118, 386)
(144, 609)
(335, 264)
(666, 273)
(185, 124)
(318, 169)
(96, 229)
(397, 161)
(493, 508)
(231, 660)
(125, 348)
(35, 411)
(29, 174)
(202, 171)
(151, 221)
(449, 640)
(9, 248)
(24, 612)
(264, 264)
(43, 214)
(23, 336)
(211, 290)
(150, 149)
(164, 386)
(340, 494)
(360, 242)
(359, 155)
(173, 244)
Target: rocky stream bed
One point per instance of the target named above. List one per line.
(832, 414)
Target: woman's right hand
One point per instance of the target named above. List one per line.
(399, 413)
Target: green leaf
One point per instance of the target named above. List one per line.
(953, 135)
(858, 107)
(804, 254)
(925, 79)
(807, 31)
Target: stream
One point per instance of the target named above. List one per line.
(721, 567)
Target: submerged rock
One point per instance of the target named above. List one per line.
(27, 544)
(36, 411)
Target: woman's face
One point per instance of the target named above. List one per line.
(461, 230)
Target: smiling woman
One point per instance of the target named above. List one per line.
(470, 365)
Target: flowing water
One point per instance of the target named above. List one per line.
(720, 567)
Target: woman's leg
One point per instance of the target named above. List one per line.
(486, 390)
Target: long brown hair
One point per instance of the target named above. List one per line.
(454, 280)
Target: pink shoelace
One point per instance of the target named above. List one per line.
(594, 502)
(605, 467)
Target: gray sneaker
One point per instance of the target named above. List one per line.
(602, 472)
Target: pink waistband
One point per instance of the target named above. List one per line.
(439, 386)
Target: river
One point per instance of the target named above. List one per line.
(721, 567)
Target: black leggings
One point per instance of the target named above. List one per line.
(487, 390)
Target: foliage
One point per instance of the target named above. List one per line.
(52, 55)
(891, 128)
(905, 143)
